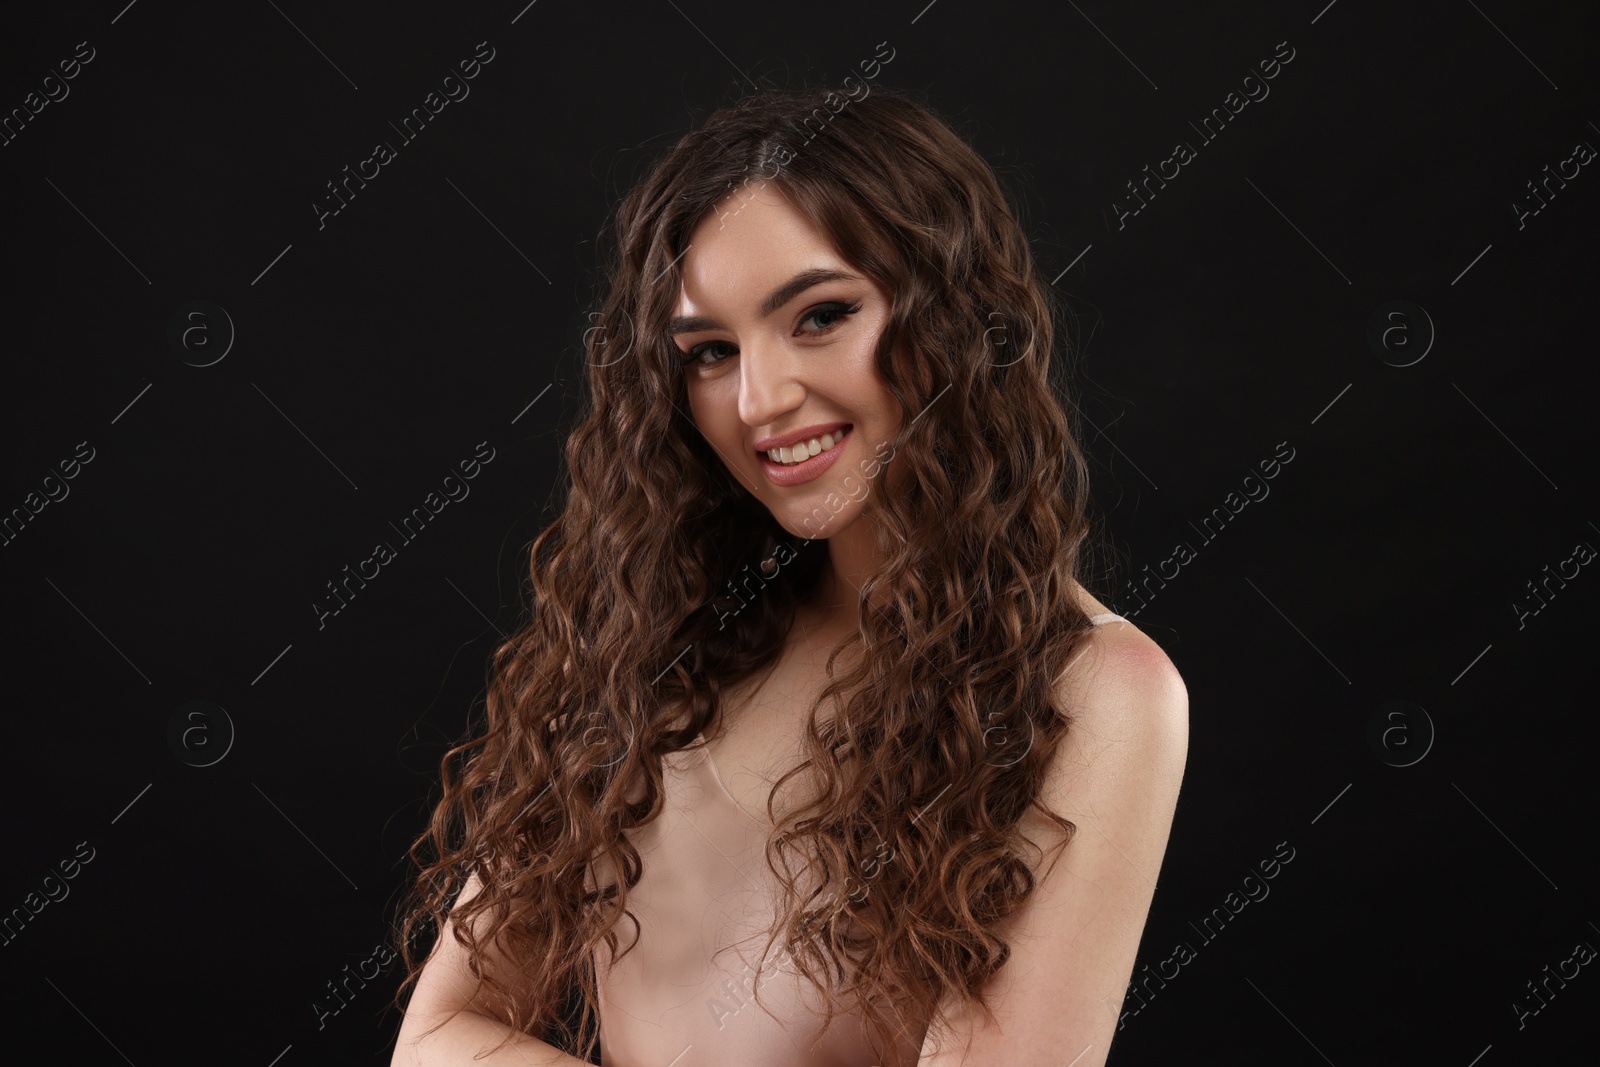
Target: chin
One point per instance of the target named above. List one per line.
(819, 522)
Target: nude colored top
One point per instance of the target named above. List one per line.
(681, 996)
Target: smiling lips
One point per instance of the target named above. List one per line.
(801, 462)
(801, 451)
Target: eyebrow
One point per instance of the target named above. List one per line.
(779, 297)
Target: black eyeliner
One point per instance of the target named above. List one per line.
(838, 306)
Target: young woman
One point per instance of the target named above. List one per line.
(814, 749)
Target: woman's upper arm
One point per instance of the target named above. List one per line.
(1116, 776)
(446, 982)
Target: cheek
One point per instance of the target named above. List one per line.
(696, 405)
(715, 416)
(873, 398)
(869, 383)
(706, 402)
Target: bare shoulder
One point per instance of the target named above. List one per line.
(1115, 777)
(1128, 734)
(1120, 678)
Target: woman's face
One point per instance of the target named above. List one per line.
(779, 333)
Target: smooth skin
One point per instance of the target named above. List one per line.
(763, 371)
(767, 356)
(447, 984)
(762, 366)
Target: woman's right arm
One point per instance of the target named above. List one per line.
(446, 984)
(458, 1043)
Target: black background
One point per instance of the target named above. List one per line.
(444, 307)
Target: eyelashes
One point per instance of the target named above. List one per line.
(697, 354)
(839, 309)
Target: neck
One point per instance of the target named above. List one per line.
(852, 558)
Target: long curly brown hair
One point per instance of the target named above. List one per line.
(945, 723)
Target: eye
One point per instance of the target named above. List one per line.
(840, 310)
(697, 354)
(834, 312)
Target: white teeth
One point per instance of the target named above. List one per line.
(802, 452)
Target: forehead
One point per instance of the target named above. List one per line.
(752, 241)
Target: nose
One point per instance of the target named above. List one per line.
(768, 386)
